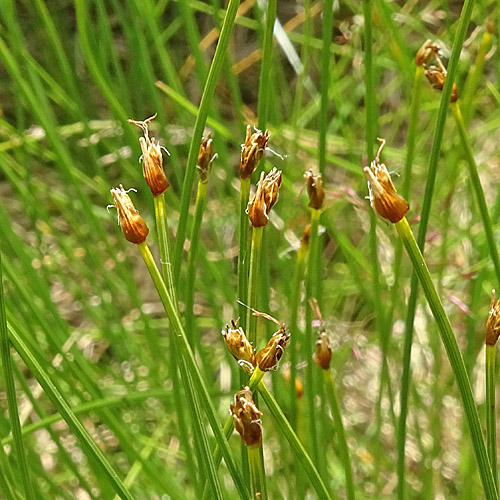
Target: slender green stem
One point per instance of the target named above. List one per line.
(206, 99)
(311, 290)
(64, 409)
(201, 197)
(243, 252)
(339, 429)
(192, 366)
(491, 423)
(200, 435)
(294, 442)
(253, 283)
(478, 189)
(10, 389)
(294, 312)
(326, 58)
(405, 379)
(454, 356)
(266, 67)
(257, 473)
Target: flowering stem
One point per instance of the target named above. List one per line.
(294, 311)
(201, 439)
(311, 288)
(201, 197)
(454, 356)
(253, 283)
(243, 251)
(192, 367)
(257, 473)
(491, 426)
(478, 189)
(339, 428)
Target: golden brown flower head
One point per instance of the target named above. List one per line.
(265, 197)
(268, 358)
(133, 226)
(152, 159)
(384, 197)
(205, 158)
(437, 76)
(315, 189)
(246, 418)
(252, 151)
(493, 321)
(425, 53)
(323, 354)
(239, 346)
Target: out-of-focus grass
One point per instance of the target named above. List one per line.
(79, 298)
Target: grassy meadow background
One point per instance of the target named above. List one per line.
(82, 308)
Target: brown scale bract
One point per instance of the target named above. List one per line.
(493, 321)
(133, 226)
(205, 158)
(252, 151)
(264, 198)
(152, 159)
(425, 53)
(239, 346)
(384, 197)
(268, 358)
(323, 354)
(246, 418)
(315, 191)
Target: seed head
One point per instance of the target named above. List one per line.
(437, 76)
(315, 189)
(493, 321)
(425, 53)
(323, 354)
(246, 418)
(265, 197)
(384, 197)
(133, 226)
(239, 346)
(252, 151)
(205, 158)
(268, 358)
(152, 159)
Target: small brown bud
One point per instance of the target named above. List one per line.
(437, 76)
(246, 418)
(239, 346)
(265, 197)
(490, 26)
(268, 358)
(425, 53)
(323, 354)
(133, 226)
(152, 159)
(493, 321)
(315, 189)
(304, 242)
(384, 197)
(205, 158)
(252, 151)
(299, 386)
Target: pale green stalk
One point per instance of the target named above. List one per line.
(491, 423)
(243, 252)
(192, 366)
(454, 356)
(339, 429)
(257, 473)
(253, 284)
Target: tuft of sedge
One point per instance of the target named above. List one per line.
(152, 159)
(264, 198)
(246, 418)
(133, 226)
(384, 197)
(252, 151)
(493, 321)
(268, 358)
(315, 191)
(239, 346)
(323, 355)
(425, 53)
(205, 159)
